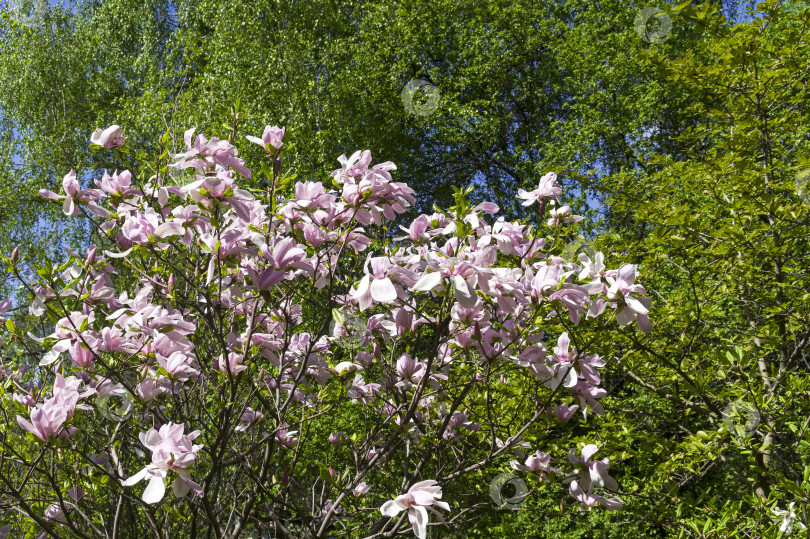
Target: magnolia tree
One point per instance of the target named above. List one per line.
(244, 363)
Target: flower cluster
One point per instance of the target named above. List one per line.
(225, 283)
(171, 451)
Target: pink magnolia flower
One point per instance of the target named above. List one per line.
(560, 370)
(171, 451)
(362, 390)
(249, 417)
(108, 138)
(117, 184)
(417, 501)
(272, 136)
(539, 462)
(361, 489)
(54, 513)
(46, 421)
(24, 400)
(548, 188)
(631, 308)
(377, 285)
(563, 412)
(562, 215)
(594, 475)
(80, 355)
(75, 493)
(337, 438)
(459, 420)
(48, 418)
(148, 389)
(286, 438)
(461, 274)
(590, 499)
(410, 370)
(75, 195)
(233, 364)
(597, 469)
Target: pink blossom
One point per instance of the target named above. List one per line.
(171, 451)
(631, 308)
(248, 418)
(361, 489)
(419, 498)
(539, 462)
(594, 475)
(562, 215)
(232, 365)
(75, 196)
(272, 136)
(337, 438)
(376, 285)
(111, 137)
(548, 188)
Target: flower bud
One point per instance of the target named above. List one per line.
(90, 258)
(15, 255)
(336, 438)
(171, 285)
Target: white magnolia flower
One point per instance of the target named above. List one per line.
(788, 518)
(417, 501)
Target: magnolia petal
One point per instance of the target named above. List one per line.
(209, 274)
(422, 498)
(155, 490)
(98, 210)
(68, 207)
(180, 488)
(383, 290)
(135, 478)
(636, 305)
(418, 517)
(391, 508)
(588, 451)
(625, 316)
(118, 255)
(169, 229)
(49, 358)
(427, 282)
